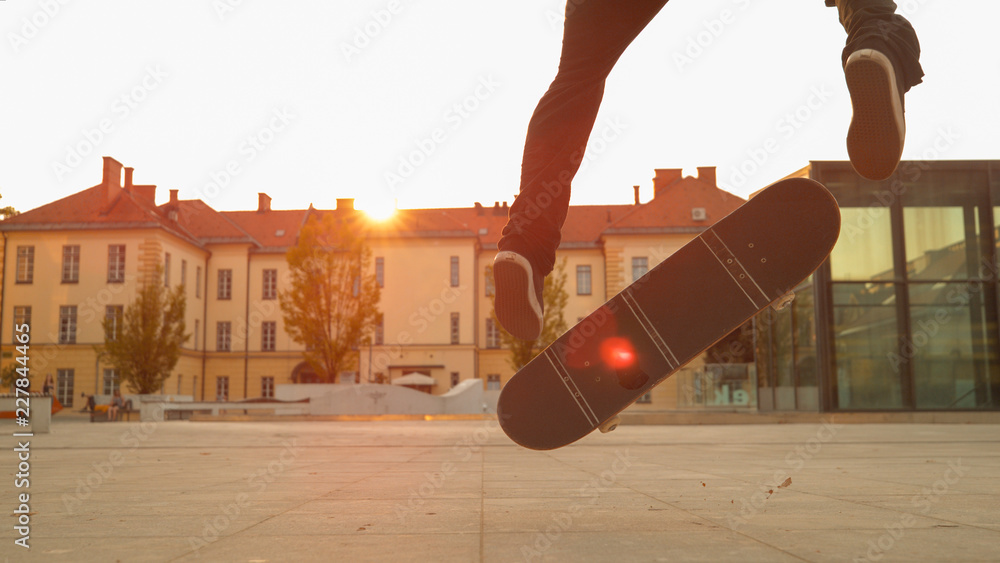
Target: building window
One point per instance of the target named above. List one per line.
(583, 280)
(25, 264)
(22, 316)
(166, 269)
(197, 332)
(67, 324)
(490, 285)
(114, 315)
(270, 284)
(111, 383)
(222, 388)
(223, 336)
(493, 382)
(454, 271)
(184, 272)
(267, 387)
(647, 398)
(349, 377)
(71, 264)
(116, 263)
(180, 379)
(454, 328)
(197, 282)
(64, 386)
(380, 271)
(640, 265)
(225, 285)
(268, 331)
(380, 330)
(492, 334)
(455, 378)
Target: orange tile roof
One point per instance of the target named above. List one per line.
(668, 211)
(273, 228)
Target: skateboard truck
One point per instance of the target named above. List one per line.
(783, 301)
(610, 424)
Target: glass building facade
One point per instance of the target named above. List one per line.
(903, 314)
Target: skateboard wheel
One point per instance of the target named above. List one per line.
(783, 301)
(610, 424)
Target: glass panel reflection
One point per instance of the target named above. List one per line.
(938, 240)
(865, 340)
(864, 249)
(951, 344)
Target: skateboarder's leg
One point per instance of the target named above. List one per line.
(595, 34)
(881, 63)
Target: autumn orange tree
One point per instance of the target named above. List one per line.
(331, 306)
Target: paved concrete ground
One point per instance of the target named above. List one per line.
(461, 491)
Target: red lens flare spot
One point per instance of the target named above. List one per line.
(617, 352)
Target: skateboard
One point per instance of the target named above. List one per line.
(747, 261)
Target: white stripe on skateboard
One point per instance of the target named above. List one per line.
(647, 325)
(738, 263)
(574, 391)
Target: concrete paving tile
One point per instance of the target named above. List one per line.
(894, 542)
(708, 546)
(371, 491)
(596, 512)
(322, 517)
(358, 547)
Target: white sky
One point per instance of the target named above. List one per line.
(207, 75)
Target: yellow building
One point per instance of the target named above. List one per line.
(73, 262)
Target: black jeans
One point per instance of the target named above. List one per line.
(595, 34)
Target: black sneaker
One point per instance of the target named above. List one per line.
(518, 300)
(875, 138)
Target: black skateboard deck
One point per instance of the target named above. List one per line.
(745, 262)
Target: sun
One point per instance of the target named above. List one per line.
(376, 208)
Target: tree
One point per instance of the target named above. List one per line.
(145, 344)
(332, 303)
(7, 211)
(554, 298)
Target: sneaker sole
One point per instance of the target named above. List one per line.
(874, 139)
(519, 317)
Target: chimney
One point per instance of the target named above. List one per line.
(707, 174)
(345, 204)
(479, 209)
(111, 178)
(264, 202)
(497, 210)
(173, 197)
(636, 189)
(665, 177)
(145, 194)
(128, 178)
